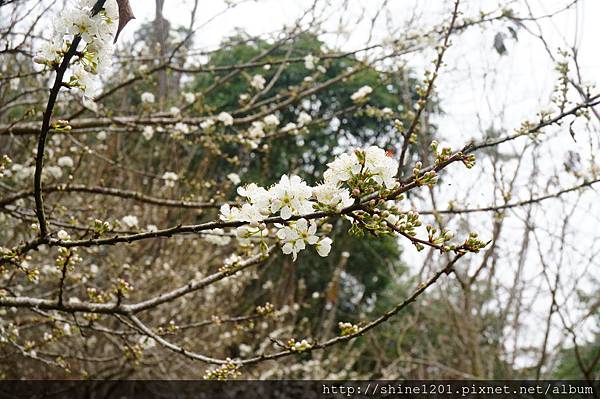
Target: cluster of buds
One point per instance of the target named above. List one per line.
(473, 244)
(133, 352)
(5, 161)
(374, 112)
(224, 372)
(96, 296)
(32, 274)
(265, 309)
(100, 227)
(170, 328)
(122, 287)
(438, 239)
(348, 328)
(9, 332)
(61, 125)
(298, 346)
(67, 257)
(440, 156)
(468, 160)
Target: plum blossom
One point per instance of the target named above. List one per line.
(229, 213)
(148, 132)
(234, 178)
(304, 118)
(295, 236)
(361, 93)
(324, 246)
(170, 178)
(291, 196)
(54, 171)
(342, 169)
(96, 48)
(207, 124)
(130, 221)
(225, 118)
(189, 97)
(258, 82)
(216, 237)
(65, 162)
(383, 167)
(377, 164)
(271, 120)
(63, 235)
(182, 128)
(310, 61)
(147, 98)
(291, 126)
(331, 195)
(256, 131)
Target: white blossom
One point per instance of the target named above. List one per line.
(225, 118)
(342, 169)
(148, 132)
(234, 178)
(54, 171)
(182, 128)
(383, 167)
(147, 98)
(216, 237)
(304, 118)
(310, 61)
(189, 97)
(63, 235)
(65, 162)
(258, 82)
(289, 127)
(361, 93)
(271, 120)
(130, 221)
(96, 48)
(256, 131)
(207, 124)
(324, 246)
(331, 195)
(170, 178)
(291, 196)
(296, 235)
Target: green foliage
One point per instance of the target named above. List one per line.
(307, 154)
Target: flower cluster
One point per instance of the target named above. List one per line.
(348, 176)
(170, 178)
(96, 34)
(361, 94)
